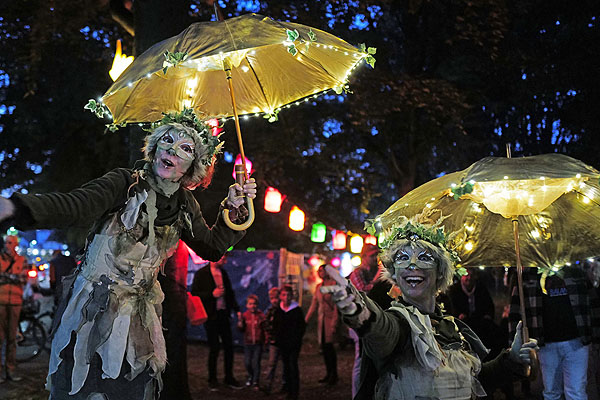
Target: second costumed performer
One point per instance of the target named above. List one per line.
(109, 343)
(413, 350)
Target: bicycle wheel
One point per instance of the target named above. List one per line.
(46, 319)
(30, 340)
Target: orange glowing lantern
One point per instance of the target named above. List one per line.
(273, 200)
(339, 240)
(296, 219)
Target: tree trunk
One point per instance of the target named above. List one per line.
(154, 21)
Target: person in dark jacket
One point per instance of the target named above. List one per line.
(212, 285)
(289, 327)
(471, 302)
(108, 340)
(274, 352)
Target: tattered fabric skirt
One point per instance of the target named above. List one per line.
(143, 386)
(109, 344)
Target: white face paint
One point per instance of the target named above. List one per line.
(174, 155)
(416, 275)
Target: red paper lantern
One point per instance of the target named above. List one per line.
(370, 239)
(273, 200)
(339, 240)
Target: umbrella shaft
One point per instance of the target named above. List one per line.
(520, 280)
(237, 121)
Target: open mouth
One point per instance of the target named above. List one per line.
(414, 281)
(167, 163)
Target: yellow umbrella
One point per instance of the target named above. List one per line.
(550, 200)
(248, 65)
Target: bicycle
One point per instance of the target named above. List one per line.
(31, 337)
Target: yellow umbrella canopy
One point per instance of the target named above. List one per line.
(556, 199)
(272, 65)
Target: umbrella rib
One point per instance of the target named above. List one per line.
(319, 65)
(231, 35)
(258, 81)
(310, 58)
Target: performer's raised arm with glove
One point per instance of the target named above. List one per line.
(413, 350)
(108, 341)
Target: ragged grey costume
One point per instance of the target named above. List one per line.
(411, 355)
(108, 342)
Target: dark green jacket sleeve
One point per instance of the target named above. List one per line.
(499, 371)
(382, 332)
(80, 207)
(210, 243)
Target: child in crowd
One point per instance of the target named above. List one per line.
(251, 323)
(274, 352)
(289, 327)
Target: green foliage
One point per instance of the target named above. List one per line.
(465, 188)
(293, 36)
(98, 108)
(272, 117)
(416, 231)
(369, 51)
(173, 59)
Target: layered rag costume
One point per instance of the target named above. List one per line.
(108, 341)
(410, 355)
(412, 350)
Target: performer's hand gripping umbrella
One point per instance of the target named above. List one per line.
(248, 65)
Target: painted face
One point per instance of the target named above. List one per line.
(286, 298)
(174, 155)
(416, 274)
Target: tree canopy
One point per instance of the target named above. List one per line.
(454, 81)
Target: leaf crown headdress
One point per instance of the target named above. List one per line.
(204, 136)
(423, 226)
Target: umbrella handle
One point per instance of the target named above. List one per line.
(532, 370)
(240, 175)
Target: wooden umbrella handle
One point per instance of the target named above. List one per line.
(240, 178)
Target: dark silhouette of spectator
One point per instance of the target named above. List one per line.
(471, 302)
(327, 315)
(174, 320)
(213, 286)
(289, 327)
(274, 351)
